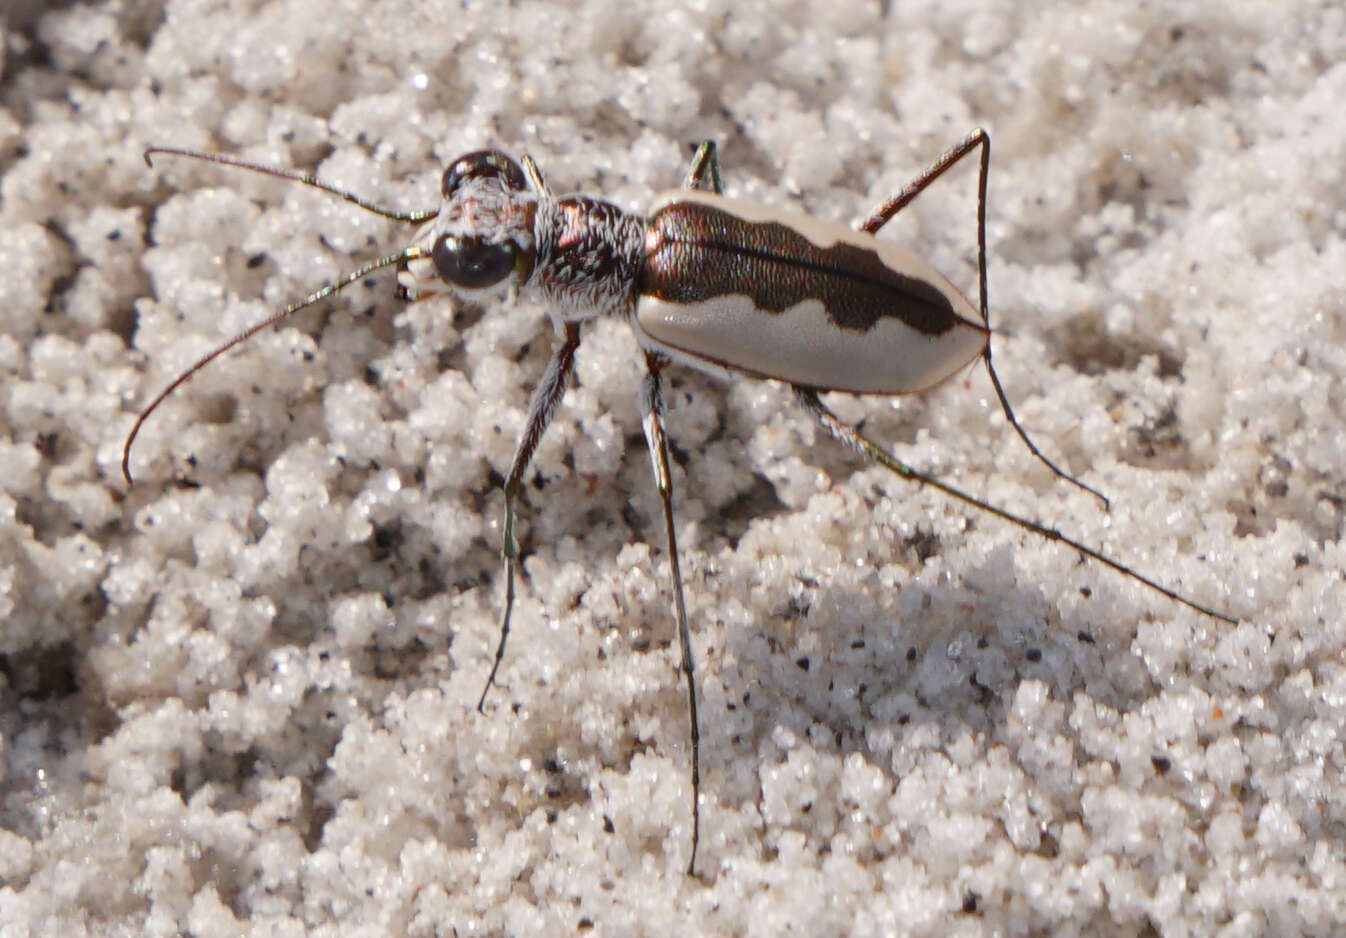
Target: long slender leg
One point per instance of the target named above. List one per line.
(546, 396)
(885, 212)
(704, 172)
(853, 438)
(652, 419)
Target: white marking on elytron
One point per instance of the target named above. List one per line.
(802, 346)
(688, 360)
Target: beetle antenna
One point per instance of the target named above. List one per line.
(292, 175)
(336, 286)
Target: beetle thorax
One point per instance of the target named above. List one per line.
(587, 257)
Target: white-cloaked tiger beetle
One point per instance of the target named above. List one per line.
(728, 287)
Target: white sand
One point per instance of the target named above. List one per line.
(238, 698)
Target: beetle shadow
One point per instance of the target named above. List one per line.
(941, 674)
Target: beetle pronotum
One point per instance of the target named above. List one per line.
(723, 286)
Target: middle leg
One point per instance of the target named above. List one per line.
(652, 420)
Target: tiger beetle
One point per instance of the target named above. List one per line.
(727, 287)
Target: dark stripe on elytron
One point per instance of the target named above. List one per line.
(696, 252)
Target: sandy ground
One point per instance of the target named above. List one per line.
(237, 698)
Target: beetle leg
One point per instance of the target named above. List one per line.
(852, 438)
(944, 162)
(704, 172)
(652, 420)
(535, 176)
(885, 212)
(546, 396)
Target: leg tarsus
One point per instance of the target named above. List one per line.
(510, 553)
(1028, 441)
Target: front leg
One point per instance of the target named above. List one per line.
(546, 396)
(652, 420)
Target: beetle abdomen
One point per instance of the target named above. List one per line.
(789, 297)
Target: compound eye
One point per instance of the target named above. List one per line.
(472, 263)
(482, 164)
